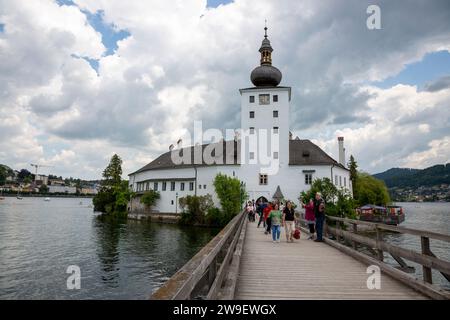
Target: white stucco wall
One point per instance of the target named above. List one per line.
(291, 179)
(168, 201)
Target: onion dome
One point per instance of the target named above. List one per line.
(266, 75)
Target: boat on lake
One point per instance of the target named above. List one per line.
(392, 215)
(47, 199)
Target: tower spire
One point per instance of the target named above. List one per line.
(266, 48)
(265, 28)
(266, 75)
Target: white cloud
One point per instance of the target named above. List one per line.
(438, 152)
(396, 133)
(184, 62)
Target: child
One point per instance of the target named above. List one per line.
(276, 221)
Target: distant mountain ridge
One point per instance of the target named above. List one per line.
(406, 177)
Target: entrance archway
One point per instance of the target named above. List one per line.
(262, 198)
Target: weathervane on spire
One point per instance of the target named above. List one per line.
(265, 28)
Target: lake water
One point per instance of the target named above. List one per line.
(424, 216)
(128, 260)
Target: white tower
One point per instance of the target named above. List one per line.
(265, 124)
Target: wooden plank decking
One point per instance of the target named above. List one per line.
(306, 270)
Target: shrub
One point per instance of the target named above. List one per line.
(338, 202)
(231, 193)
(103, 200)
(324, 186)
(194, 208)
(149, 198)
(215, 217)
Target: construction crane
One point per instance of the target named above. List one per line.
(36, 166)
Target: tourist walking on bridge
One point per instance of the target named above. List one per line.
(267, 218)
(276, 219)
(259, 209)
(250, 211)
(310, 217)
(319, 213)
(288, 221)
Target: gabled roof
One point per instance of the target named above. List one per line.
(301, 152)
(230, 150)
(306, 153)
(278, 194)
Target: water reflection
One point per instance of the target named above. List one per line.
(118, 259)
(107, 233)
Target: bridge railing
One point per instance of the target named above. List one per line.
(212, 272)
(346, 231)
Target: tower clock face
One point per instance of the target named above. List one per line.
(264, 98)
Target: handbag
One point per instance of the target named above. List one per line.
(296, 234)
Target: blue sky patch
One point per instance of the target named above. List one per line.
(93, 62)
(2, 27)
(110, 34)
(216, 3)
(65, 2)
(432, 66)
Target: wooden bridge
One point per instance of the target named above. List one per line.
(241, 262)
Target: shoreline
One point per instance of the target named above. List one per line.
(9, 195)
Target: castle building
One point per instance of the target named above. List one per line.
(265, 156)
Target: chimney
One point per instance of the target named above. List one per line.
(341, 151)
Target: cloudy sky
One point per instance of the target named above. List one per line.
(83, 79)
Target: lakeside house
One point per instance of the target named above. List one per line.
(265, 107)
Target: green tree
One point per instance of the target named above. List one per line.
(353, 167)
(324, 186)
(122, 194)
(149, 198)
(371, 190)
(114, 192)
(24, 175)
(43, 189)
(3, 174)
(338, 202)
(195, 208)
(112, 175)
(231, 193)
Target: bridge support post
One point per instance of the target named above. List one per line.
(338, 227)
(355, 231)
(378, 243)
(425, 244)
(212, 271)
